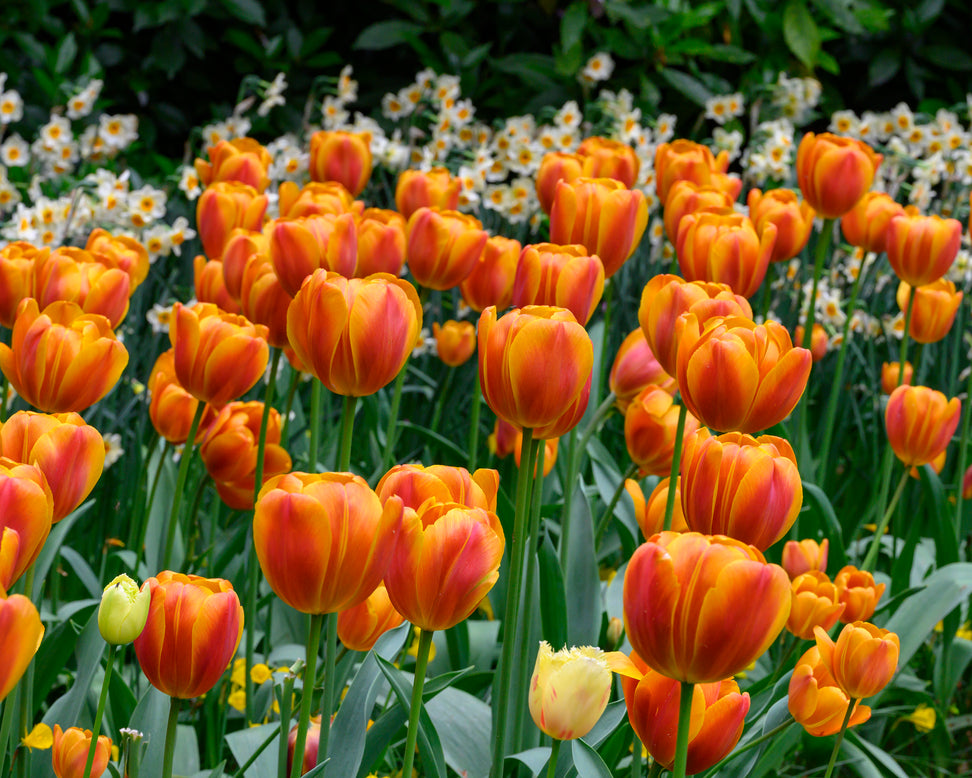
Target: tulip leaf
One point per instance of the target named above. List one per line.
(534, 758)
(245, 742)
(587, 761)
(53, 654)
(837, 553)
(52, 546)
(875, 753)
(553, 597)
(857, 760)
(580, 578)
(83, 570)
(464, 723)
(150, 718)
(429, 745)
(613, 715)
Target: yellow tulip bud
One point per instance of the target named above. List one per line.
(569, 690)
(123, 612)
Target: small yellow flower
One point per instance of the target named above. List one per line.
(237, 699)
(923, 717)
(964, 632)
(238, 676)
(40, 737)
(260, 673)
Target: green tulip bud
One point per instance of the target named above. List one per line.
(123, 612)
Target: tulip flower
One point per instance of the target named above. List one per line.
(416, 484)
(311, 746)
(737, 375)
(355, 334)
(73, 275)
(920, 423)
(890, 372)
(866, 224)
(121, 251)
(263, 300)
(442, 247)
(967, 484)
(737, 485)
(218, 356)
(314, 199)
(209, 281)
(298, 247)
(340, 156)
(70, 752)
(724, 248)
(70, 454)
(17, 277)
(601, 215)
(635, 368)
(193, 629)
(123, 611)
(687, 197)
(26, 508)
(62, 359)
(492, 277)
(857, 590)
(921, 249)
(244, 160)
(863, 660)
(435, 188)
(535, 368)
(933, 309)
(564, 276)
(381, 243)
(650, 426)
(569, 690)
(556, 166)
(240, 246)
(455, 341)
(834, 172)
(818, 340)
(606, 158)
(360, 626)
(805, 556)
(171, 407)
(687, 160)
(550, 446)
(816, 701)
(506, 439)
(716, 723)
(666, 297)
(21, 632)
(224, 206)
(699, 609)
(815, 604)
(792, 218)
(653, 520)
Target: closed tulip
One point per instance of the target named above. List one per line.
(816, 701)
(455, 341)
(564, 276)
(21, 632)
(218, 356)
(492, 277)
(435, 188)
(171, 407)
(354, 334)
(123, 611)
(602, 215)
(650, 426)
(569, 690)
(666, 297)
(446, 561)
(686, 160)
(298, 247)
(921, 249)
(240, 246)
(804, 556)
(242, 159)
(62, 359)
(315, 198)
(324, 541)
(341, 156)
(606, 158)
(863, 660)
(69, 753)
(535, 368)
(193, 630)
(857, 590)
(17, 277)
(654, 516)
(815, 604)
(556, 166)
(381, 243)
(818, 340)
(263, 299)
(716, 723)
(920, 423)
(724, 248)
(834, 172)
(209, 281)
(700, 609)
(26, 508)
(687, 197)
(967, 484)
(891, 378)
(442, 247)
(866, 224)
(71, 274)
(635, 368)
(70, 454)
(360, 626)
(223, 207)
(416, 484)
(792, 218)
(737, 485)
(311, 746)
(121, 251)
(933, 309)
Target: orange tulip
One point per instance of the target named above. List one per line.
(506, 439)
(650, 425)
(446, 561)
(815, 604)
(805, 556)
(17, 277)
(242, 159)
(298, 247)
(863, 660)
(71, 274)
(700, 609)
(933, 309)
(492, 277)
(443, 247)
(737, 485)
(635, 368)
(937, 465)
(686, 160)
(724, 248)
(834, 172)
(311, 746)
(866, 224)
(890, 375)
(556, 166)
(263, 300)
(224, 206)
(856, 589)
(920, 423)
(564, 276)
(967, 484)
(120, 251)
(455, 341)
(654, 516)
(818, 340)
(193, 629)
(381, 243)
(601, 215)
(921, 249)
(535, 368)
(171, 407)
(606, 158)
(62, 359)
(314, 199)
(240, 246)
(354, 334)
(218, 356)
(792, 217)
(416, 484)
(687, 197)
(324, 540)
(737, 375)
(21, 632)
(817, 702)
(360, 626)
(716, 721)
(70, 753)
(209, 281)
(26, 511)
(666, 297)
(435, 188)
(70, 454)
(339, 156)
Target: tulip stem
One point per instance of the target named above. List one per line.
(288, 404)
(391, 431)
(421, 663)
(655, 770)
(840, 739)
(286, 703)
(605, 520)
(511, 621)
(347, 428)
(554, 753)
(823, 242)
(307, 695)
(904, 336)
(963, 442)
(686, 691)
(676, 465)
(96, 727)
(170, 734)
(444, 389)
(605, 333)
(315, 425)
(474, 423)
(760, 740)
(636, 748)
(872, 553)
(137, 541)
(327, 703)
(9, 711)
(187, 453)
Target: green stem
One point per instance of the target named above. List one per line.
(686, 691)
(286, 701)
(9, 712)
(170, 735)
(288, 404)
(840, 739)
(823, 243)
(391, 431)
(636, 748)
(26, 682)
(872, 553)
(347, 428)
(760, 740)
(963, 443)
(307, 695)
(443, 396)
(421, 663)
(474, 424)
(904, 336)
(655, 770)
(138, 537)
(676, 464)
(606, 332)
(327, 703)
(315, 424)
(605, 521)
(96, 727)
(187, 453)
(554, 753)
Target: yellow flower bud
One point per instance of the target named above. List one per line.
(123, 612)
(569, 690)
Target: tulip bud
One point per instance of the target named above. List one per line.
(606, 158)
(564, 276)
(653, 521)
(818, 340)
(802, 557)
(817, 702)
(340, 156)
(686, 160)
(792, 218)
(569, 690)
(360, 626)
(920, 423)
(455, 341)
(933, 309)
(857, 590)
(556, 166)
(419, 189)
(863, 660)
(120, 251)
(834, 172)
(635, 368)
(242, 159)
(815, 604)
(443, 247)
(123, 611)
(890, 376)
(17, 277)
(209, 281)
(381, 243)
(866, 224)
(311, 745)
(650, 426)
(69, 753)
(316, 198)
(492, 277)
(921, 249)
(223, 207)
(687, 197)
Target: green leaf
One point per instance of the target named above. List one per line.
(638, 15)
(572, 25)
(534, 758)
(150, 718)
(429, 745)
(83, 570)
(829, 524)
(687, 85)
(580, 578)
(877, 754)
(840, 13)
(464, 724)
(53, 654)
(800, 32)
(249, 11)
(928, 10)
(858, 761)
(884, 66)
(244, 743)
(587, 761)
(535, 70)
(553, 597)
(66, 53)
(384, 35)
(948, 57)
